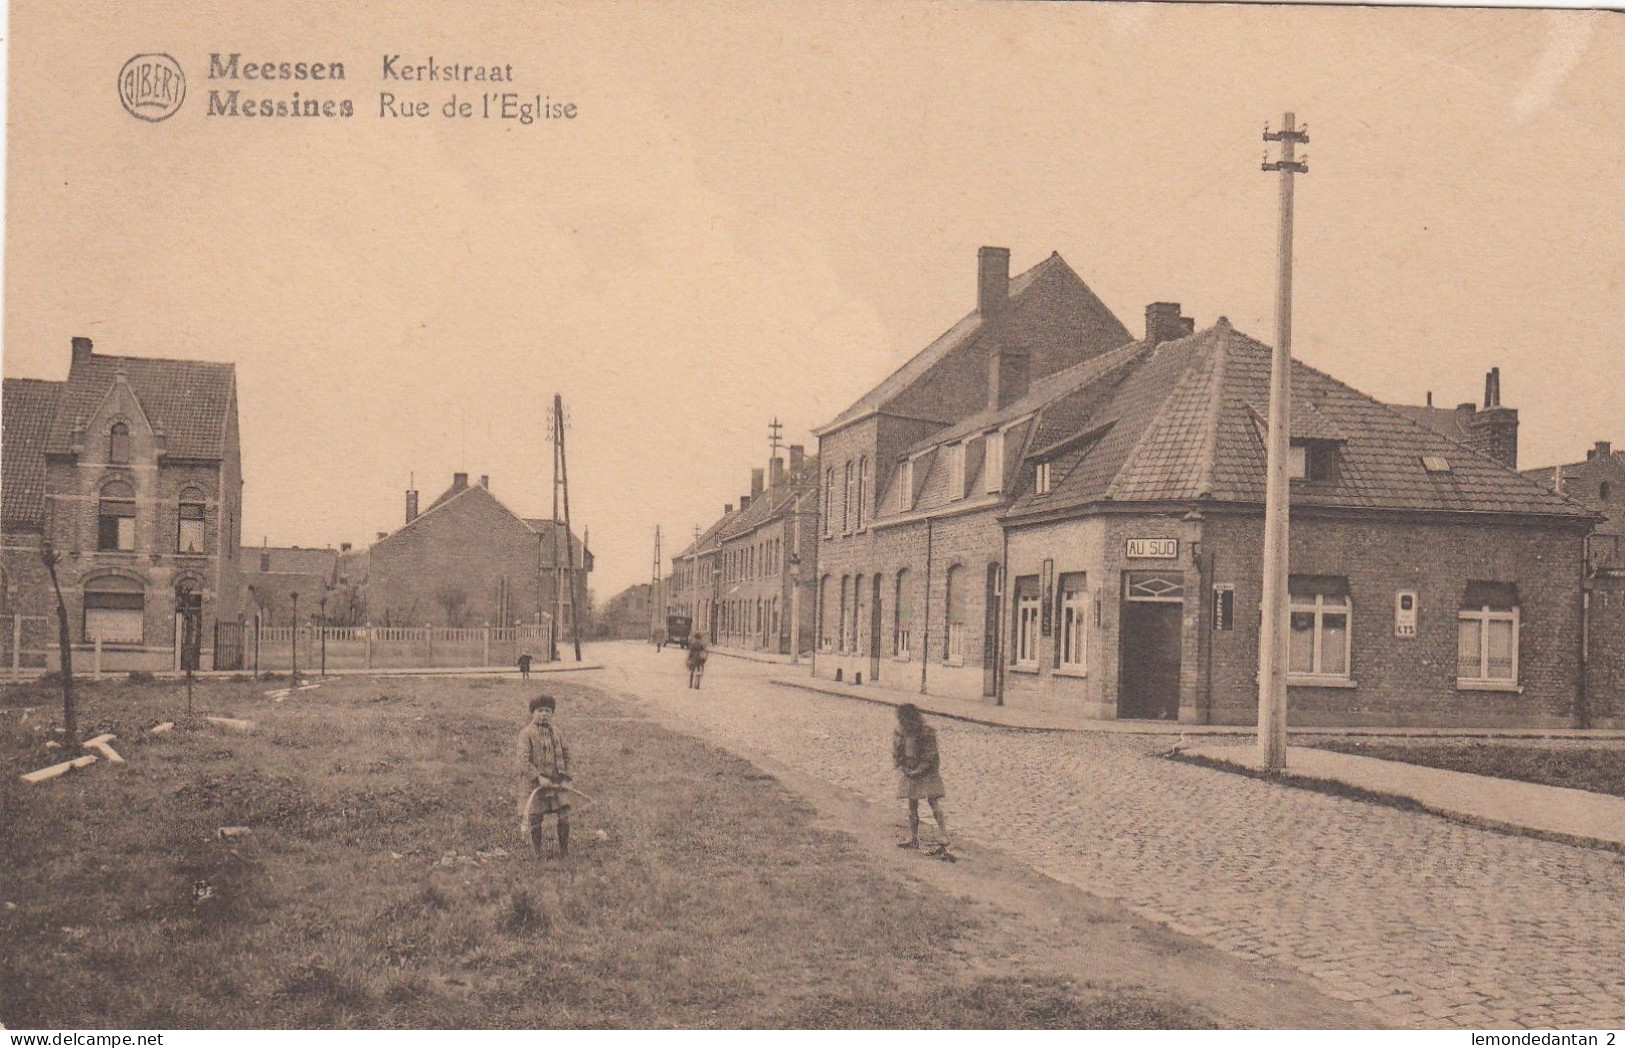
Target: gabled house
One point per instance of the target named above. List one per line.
(469, 560)
(765, 555)
(131, 469)
(1430, 583)
(1025, 332)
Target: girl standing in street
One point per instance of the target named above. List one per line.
(696, 659)
(914, 754)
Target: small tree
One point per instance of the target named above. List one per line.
(70, 723)
(453, 600)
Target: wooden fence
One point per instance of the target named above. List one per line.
(272, 649)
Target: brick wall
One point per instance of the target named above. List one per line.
(1605, 667)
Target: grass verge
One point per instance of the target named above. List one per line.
(1577, 766)
(384, 884)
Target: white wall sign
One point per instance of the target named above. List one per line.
(1405, 613)
(1153, 549)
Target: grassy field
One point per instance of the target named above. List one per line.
(384, 883)
(1578, 766)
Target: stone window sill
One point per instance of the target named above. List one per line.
(1030, 669)
(954, 660)
(1071, 671)
(1307, 681)
(1489, 685)
(901, 658)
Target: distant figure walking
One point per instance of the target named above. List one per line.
(914, 754)
(544, 763)
(524, 666)
(696, 659)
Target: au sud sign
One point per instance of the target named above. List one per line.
(1152, 549)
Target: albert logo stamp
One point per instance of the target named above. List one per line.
(152, 87)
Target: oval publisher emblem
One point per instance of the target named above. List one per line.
(152, 87)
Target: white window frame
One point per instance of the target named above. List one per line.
(905, 486)
(1072, 626)
(846, 498)
(956, 471)
(1297, 461)
(902, 628)
(863, 489)
(1484, 616)
(1317, 605)
(1041, 479)
(993, 463)
(1028, 619)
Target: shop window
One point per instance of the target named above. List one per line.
(1319, 640)
(1487, 635)
(116, 517)
(115, 609)
(118, 443)
(1025, 649)
(1072, 648)
(189, 530)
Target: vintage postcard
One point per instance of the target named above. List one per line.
(829, 516)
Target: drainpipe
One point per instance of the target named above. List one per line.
(925, 630)
(1582, 701)
(999, 623)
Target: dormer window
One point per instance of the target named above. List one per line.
(1312, 460)
(1041, 479)
(118, 443)
(993, 463)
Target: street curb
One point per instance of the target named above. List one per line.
(878, 700)
(1405, 802)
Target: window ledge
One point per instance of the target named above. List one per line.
(1071, 671)
(1030, 669)
(1489, 685)
(901, 658)
(1309, 681)
(954, 660)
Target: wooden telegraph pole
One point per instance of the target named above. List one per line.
(1272, 638)
(656, 604)
(562, 482)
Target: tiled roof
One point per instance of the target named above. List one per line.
(956, 337)
(290, 558)
(190, 399)
(1444, 421)
(541, 525)
(1188, 423)
(25, 420)
(1580, 481)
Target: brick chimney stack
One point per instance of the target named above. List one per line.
(411, 506)
(459, 481)
(1164, 324)
(81, 348)
(756, 480)
(1603, 449)
(485, 480)
(776, 472)
(1494, 429)
(992, 280)
(798, 458)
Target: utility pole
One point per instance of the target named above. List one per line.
(1272, 638)
(555, 424)
(775, 430)
(562, 480)
(656, 605)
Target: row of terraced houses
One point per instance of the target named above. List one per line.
(1044, 509)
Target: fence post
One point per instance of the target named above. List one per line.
(366, 647)
(97, 675)
(16, 648)
(485, 655)
(428, 640)
(256, 645)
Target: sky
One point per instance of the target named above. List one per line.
(761, 210)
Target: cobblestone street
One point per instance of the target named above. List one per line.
(1433, 923)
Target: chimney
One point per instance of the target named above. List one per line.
(1164, 324)
(1492, 388)
(344, 547)
(1603, 449)
(744, 503)
(459, 481)
(756, 483)
(81, 348)
(411, 506)
(727, 508)
(1007, 377)
(776, 474)
(1430, 398)
(798, 458)
(992, 280)
(382, 535)
(1494, 429)
(485, 481)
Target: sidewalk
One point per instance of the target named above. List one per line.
(1025, 719)
(1576, 816)
(752, 656)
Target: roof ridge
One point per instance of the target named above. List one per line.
(1156, 420)
(1209, 461)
